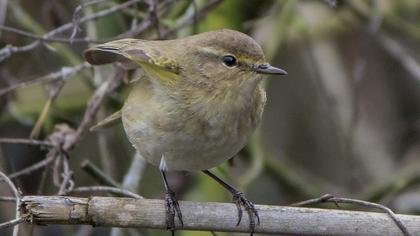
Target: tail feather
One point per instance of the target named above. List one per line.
(107, 122)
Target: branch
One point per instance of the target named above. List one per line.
(17, 197)
(43, 38)
(63, 73)
(329, 198)
(193, 18)
(11, 223)
(395, 49)
(26, 141)
(98, 174)
(148, 213)
(10, 50)
(93, 106)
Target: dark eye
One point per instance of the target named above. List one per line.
(229, 60)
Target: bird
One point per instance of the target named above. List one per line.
(197, 106)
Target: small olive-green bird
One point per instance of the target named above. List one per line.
(198, 105)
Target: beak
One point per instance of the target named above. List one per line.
(268, 69)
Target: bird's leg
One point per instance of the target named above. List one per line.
(240, 201)
(172, 206)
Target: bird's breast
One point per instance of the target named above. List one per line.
(189, 137)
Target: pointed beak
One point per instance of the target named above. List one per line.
(268, 69)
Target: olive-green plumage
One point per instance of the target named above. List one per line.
(201, 100)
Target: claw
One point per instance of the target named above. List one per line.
(238, 205)
(240, 201)
(172, 208)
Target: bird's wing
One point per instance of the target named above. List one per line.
(129, 51)
(107, 122)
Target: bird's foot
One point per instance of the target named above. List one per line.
(240, 201)
(172, 209)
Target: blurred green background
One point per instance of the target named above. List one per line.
(345, 121)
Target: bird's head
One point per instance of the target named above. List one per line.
(226, 55)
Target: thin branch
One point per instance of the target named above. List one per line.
(8, 199)
(76, 17)
(98, 174)
(93, 106)
(153, 6)
(206, 216)
(43, 38)
(13, 222)
(322, 199)
(395, 49)
(55, 89)
(63, 73)
(10, 50)
(329, 198)
(28, 170)
(67, 175)
(17, 198)
(146, 23)
(26, 141)
(194, 17)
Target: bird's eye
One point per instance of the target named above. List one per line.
(229, 60)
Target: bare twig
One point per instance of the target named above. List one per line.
(14, 222)
(8, 199)
(57, 139)
(155, 17)
(93, 106)
(76, 17)
(55, 89)
(10, 50)
(63, 73)
(395, 49)
(43, 38)
(322, 199)
(67, 184)
(17, 198)
(146, 23)
(98, 174)
(28, 170)
(149, 213)
(329, 198)
(26, 141)
(162, 9)
(194, 17)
